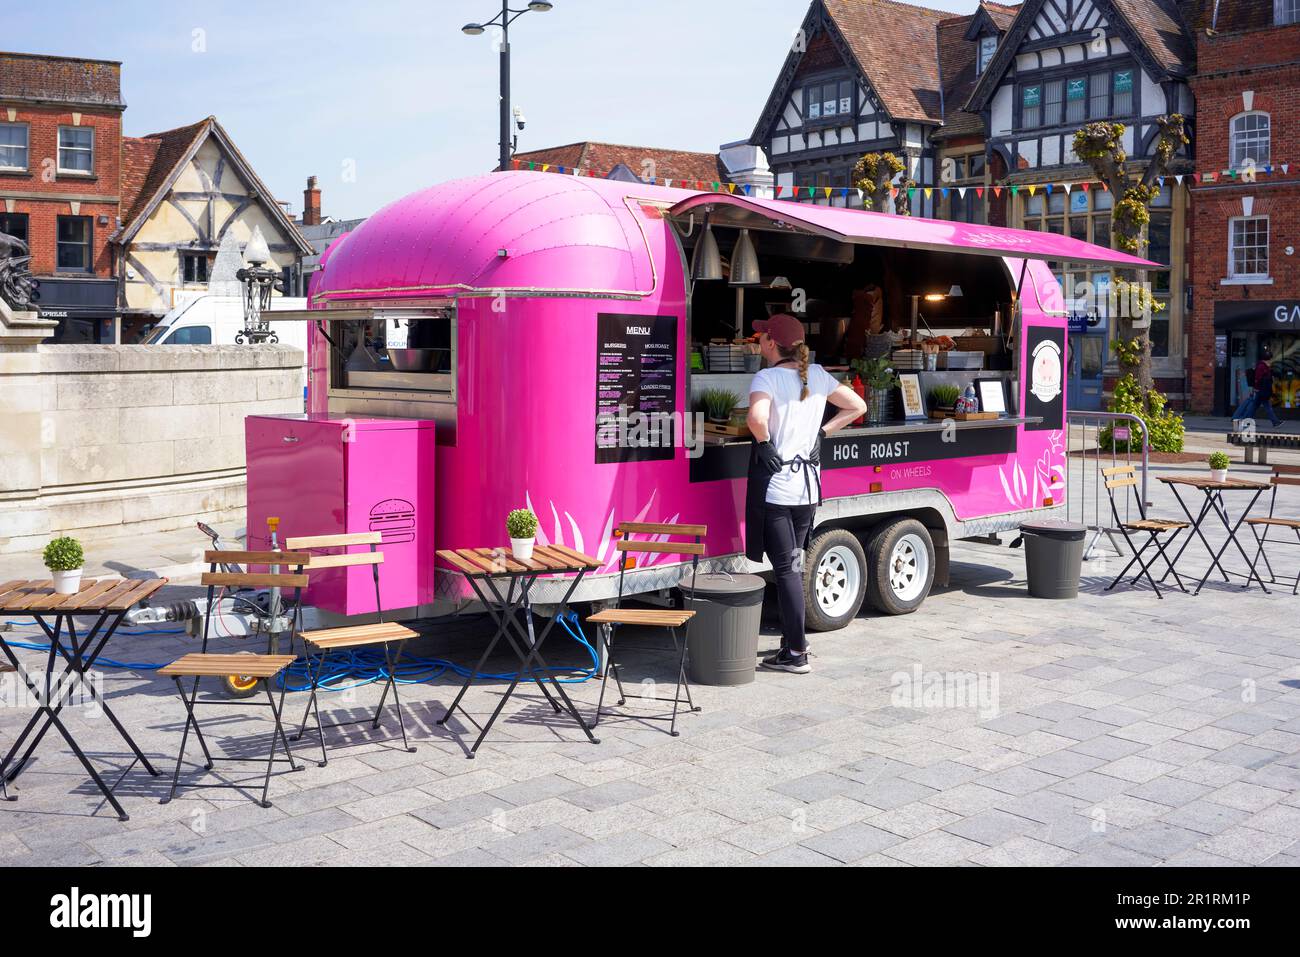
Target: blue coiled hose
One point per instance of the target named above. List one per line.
(344, 671)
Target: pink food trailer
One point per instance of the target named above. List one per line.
(543, 340)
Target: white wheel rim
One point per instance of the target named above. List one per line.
(909, 568)
(838, 582)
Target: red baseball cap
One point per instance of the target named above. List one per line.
(784, 329)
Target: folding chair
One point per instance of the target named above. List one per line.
(350, 637)
(612, 618)
(1282, 475)
(1124, 476)
(265, 667)
(4, 787)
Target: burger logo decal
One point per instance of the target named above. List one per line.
(1045, 371)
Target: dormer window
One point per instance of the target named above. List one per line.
(988, 46)
(829, 101)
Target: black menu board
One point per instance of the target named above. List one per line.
(636, 387)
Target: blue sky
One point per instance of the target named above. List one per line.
(393, 90)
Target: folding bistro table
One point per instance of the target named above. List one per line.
(486, 569)
(106, 602)
(1213, 491)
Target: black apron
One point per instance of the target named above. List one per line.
(757, 481)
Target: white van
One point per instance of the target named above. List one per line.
(217, 320)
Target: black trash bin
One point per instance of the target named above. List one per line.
(724, 633)
(1054, 557)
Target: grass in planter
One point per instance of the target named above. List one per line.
(944, 396)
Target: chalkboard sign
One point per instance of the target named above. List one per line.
(636, 387)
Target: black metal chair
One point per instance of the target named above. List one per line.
(263, 667)
(671, 619)
(1125, 476)
(5, 669)
(392, 636)
(1282, 475)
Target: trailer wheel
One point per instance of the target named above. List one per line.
(835, 576)
(900, 555)
(240, 686)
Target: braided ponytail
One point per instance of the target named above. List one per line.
(798, 352)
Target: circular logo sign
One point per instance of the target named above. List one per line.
(1045, 371)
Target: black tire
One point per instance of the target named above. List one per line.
(881, 554)
(845, 559)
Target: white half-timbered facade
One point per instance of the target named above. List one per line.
(1061, 65)
(834, 101)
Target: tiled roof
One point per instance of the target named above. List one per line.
(1002, 13)
(1227, 16)
(895, 45)
(149, 162)
(604, 157)
(1160, 25)
(72, 80)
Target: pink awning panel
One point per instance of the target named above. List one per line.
(906, 232)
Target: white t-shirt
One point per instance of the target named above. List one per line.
(793, 426)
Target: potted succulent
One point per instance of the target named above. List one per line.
(1219, 463)
(521, 524)
(880, 382)
(64, 558)
(718, 404)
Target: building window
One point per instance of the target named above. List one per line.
(1248, 247)
(15, 225)
(13, 146)
(73, 244)
(1251, 139)
(194, 267)
(1031, 106)
(76, 149)
(1122, 83)
(1052, 103)
(988, 47)
(829, 100)
(1099, 95)
(1076, 99)
(1286, 11)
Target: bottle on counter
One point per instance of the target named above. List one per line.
(861, 390)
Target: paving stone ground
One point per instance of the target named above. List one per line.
(1114, 729)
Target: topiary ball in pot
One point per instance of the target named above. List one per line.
(64, 558)
(521, 524)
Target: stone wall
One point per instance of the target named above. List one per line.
(102, 440)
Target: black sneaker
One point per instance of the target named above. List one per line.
(785, 661)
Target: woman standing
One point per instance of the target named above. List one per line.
(1261, 393)
(787, 401)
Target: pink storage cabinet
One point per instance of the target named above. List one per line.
(324, 474)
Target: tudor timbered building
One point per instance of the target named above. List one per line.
(1065, 63)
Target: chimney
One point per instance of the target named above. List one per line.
(311, 203)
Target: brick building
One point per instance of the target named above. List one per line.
(1246, 224)
(60, 182)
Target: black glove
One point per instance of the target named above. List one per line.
(767, 455)
(816, 456)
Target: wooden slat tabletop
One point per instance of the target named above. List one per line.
(109, 594)
(1204, 482)
(547, 559)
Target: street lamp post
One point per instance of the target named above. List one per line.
(507, 16)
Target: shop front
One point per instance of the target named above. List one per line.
(84, 308)
(1242, 330)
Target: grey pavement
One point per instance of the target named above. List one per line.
(989, 729)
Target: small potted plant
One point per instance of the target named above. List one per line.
(718, 404)
(943, 398)
(521, 524)
(1219, 463)
(64, 558)
(880, 381)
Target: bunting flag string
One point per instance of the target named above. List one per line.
(1204, 177)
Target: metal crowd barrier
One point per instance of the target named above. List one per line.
(1086, 499)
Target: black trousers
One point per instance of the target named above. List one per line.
(785, 528)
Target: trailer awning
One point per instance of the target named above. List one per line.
(900, 232)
